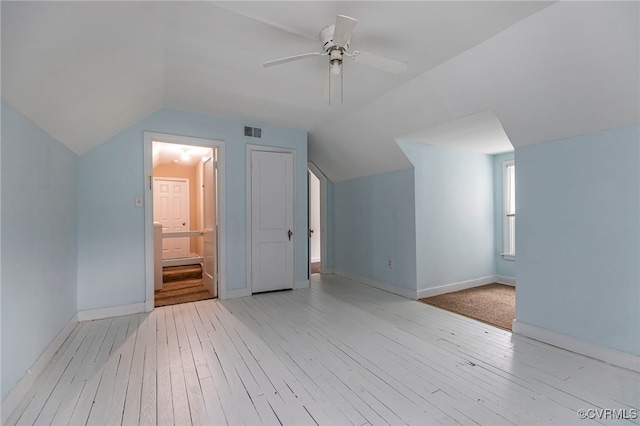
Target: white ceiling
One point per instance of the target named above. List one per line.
(84, 71)
(481, 132)
(184, 155)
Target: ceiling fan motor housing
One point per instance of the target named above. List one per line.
(336, 41)
(326, 37)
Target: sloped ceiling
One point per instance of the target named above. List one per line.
(481, 132)
(83, 71)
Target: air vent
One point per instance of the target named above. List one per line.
(253, 132)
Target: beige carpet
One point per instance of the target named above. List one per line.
(493, 304)
(173, 293)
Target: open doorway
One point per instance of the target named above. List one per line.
(184, 205)
(317, 205)
(183, 252)
(315, 254)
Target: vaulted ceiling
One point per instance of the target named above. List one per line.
(529, 71)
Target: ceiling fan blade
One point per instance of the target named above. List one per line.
(343, 29)
(380, 62)
(291, 59)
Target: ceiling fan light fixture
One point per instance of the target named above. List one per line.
(185, 155)
(336, 67)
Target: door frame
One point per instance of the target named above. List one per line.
(249, 149)
(148, 139)
(324, 269)
(214, 226)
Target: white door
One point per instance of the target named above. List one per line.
(171, 209)
(209, 188)
(272, 211)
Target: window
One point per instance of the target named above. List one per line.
(509, 176)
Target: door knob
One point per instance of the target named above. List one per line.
(184, 223)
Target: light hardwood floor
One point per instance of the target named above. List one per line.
(337, 353)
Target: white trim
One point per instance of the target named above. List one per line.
(506, 228)
(20, 390)
(234, 294)
(404, 292)
(222, 219)
(301, 284)
(506, 280)
(148, 139)
(316, 259)
(265, 148)
(111, 311)
(582, 347)
(148, 221)
(450, 288)
(194, 259)
(181, 234)
(323, 215)
(247, 195)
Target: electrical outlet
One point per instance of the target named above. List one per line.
(139, 201)
(389, 263)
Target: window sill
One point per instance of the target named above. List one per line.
(511, 257)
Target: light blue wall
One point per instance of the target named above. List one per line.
(373, 220)
(111, 267)
(330, 226)
(454, 214)
(578, 237)
(504, 268)
(38, 224)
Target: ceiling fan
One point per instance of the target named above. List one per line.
(335, 41)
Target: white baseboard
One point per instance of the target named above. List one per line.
(404, 292)
(582, 347)
(111, 311)
(301, 284)
(10, 403)
(506, 280)
(450, 288)
(234, 294)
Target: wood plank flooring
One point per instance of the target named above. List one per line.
(173, 293)
(338, 353)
